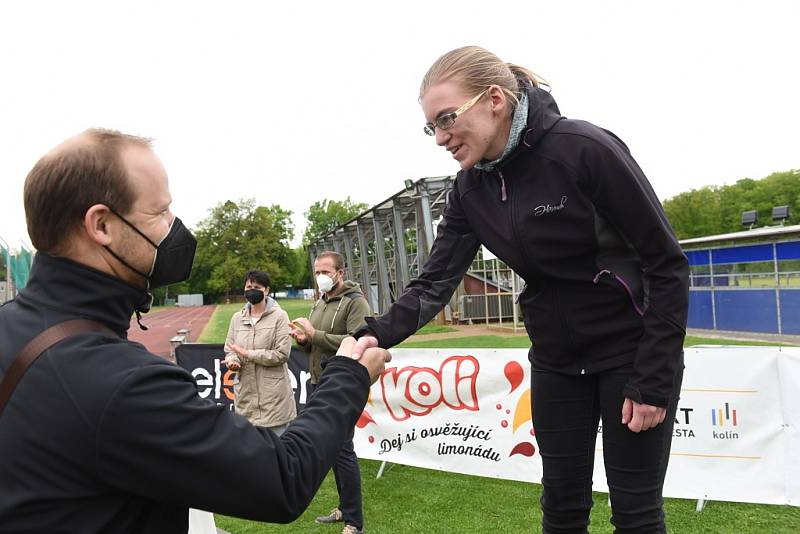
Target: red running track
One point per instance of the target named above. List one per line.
(163, 325)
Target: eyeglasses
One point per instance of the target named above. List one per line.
(447, 120)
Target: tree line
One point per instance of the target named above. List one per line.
(715, 210)
(238, 236)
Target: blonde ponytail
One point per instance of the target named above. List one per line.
(475, 69)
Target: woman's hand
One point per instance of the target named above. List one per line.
(238, 349)
(373, 358)
(363, 343)
(641, 417)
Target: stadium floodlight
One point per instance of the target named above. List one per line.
(749, 218)
(409, 183)
(780, 214)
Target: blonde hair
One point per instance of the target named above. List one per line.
(475, 69)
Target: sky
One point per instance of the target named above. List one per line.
(295, 102)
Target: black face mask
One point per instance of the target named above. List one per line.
(254, 296)
(174, 255)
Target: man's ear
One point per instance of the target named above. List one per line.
(95, 222)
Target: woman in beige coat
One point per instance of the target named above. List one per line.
(258, 346)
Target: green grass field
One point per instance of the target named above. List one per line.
(521, 341)
(413, 500)
(431, 328)
(217, 327)
(765, 281)
(408, 500)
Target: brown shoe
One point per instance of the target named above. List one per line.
(334, 517)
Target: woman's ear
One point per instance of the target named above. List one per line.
(498, 99)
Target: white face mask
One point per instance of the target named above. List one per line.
(324, 283)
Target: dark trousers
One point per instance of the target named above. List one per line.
(348, 484)
(566, 413)
(348, 480)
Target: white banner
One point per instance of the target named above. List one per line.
(736, 436)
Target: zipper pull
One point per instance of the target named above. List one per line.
(601, 273)
(503, 195)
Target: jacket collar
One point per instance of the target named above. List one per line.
(543, 114)
(271, 306)
(73, 288)
(519, 121)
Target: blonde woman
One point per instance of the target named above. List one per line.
(565, 205)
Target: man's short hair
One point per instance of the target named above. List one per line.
(338, 259)
(64, 184)
(259, 277)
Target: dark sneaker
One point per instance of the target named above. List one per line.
(350, 529)
(334, 517)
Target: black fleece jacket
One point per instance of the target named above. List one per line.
(102, 436)
(572, 213)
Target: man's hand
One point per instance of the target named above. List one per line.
(363, 343)
(373, 358)
(301, 324)
(641, 417)
(298, 334)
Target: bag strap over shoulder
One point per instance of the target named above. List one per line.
(38, 345)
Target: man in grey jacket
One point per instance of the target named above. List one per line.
(338, 313)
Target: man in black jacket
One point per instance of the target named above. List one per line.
(102, 436)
